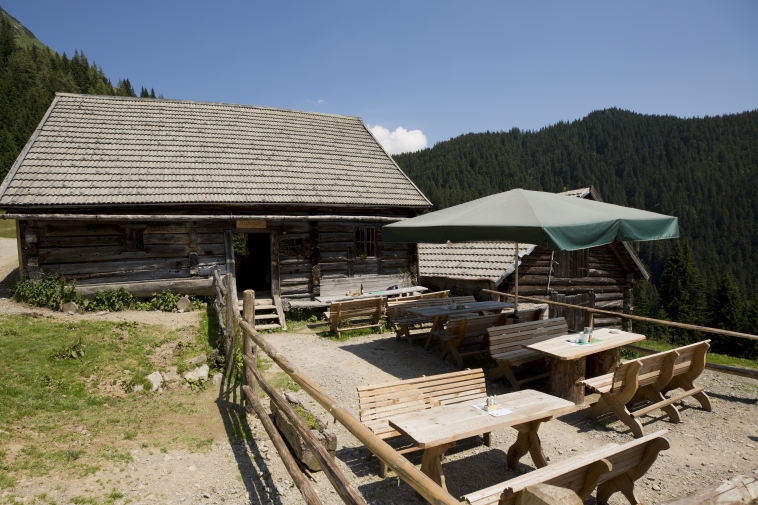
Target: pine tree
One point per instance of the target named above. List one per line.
(727, 313)
(683, 295)
(152, 93)
(750, 325)
(7, 40)
(143, 93)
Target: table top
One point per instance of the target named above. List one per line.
(464, 308)
(559, 347)
(441, 425)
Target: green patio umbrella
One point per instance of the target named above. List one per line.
(554, 221)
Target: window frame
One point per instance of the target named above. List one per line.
(365, 240)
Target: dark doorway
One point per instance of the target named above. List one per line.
(255, 266)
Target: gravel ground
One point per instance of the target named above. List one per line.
(706, 447)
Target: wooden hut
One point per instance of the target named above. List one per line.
(599, 277)
(151, 194)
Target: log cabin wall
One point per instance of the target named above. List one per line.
(599, 277)
(141, 257)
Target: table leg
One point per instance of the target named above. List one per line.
(564, 375)
(603, 362)
(431, 463)
(527, 441)
(436, 325)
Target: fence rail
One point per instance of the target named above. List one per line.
(252, 342)
(589, 311)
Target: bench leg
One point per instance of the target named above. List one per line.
(620, 483)
(624, 416)
(701, 397)
(508, 373)
(527, 441)
(382, 469)
(496, 373)
(598, 409)
(487, 439)
(368, 454)
(452, 350)
(670, 410)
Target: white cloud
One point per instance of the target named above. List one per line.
(400, 140)
(321, 101)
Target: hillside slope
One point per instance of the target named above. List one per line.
(703, 170)
(24, 36)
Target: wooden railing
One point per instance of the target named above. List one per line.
(226, 303)
(589, 313)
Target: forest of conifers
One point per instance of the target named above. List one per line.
(703, 170)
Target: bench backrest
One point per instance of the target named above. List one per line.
(513, 337)
(580, 473)
(357, 308)
(690, 356)
(382, 401)
(473, 325)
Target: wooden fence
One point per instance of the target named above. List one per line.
(226, 305)
(589, 313)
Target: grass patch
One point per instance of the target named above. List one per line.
(71, 382)
(282, 382)
(348, 334)
(7, 228)
(718, 359)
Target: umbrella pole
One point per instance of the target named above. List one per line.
(514, 316)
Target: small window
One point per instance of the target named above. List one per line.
(134, 239)
(365, 242)
(294, 243)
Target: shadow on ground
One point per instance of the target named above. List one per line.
(251, 462)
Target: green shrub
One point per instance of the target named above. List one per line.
(113, 300)
(165, 301)
(49, 291)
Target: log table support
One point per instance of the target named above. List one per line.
(431, 463)
(564, 375)
(527, 441)
(603, 362)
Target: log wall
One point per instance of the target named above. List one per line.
(183, 256)
(595, 277)
(96, 254)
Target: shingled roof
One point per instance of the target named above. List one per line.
(490, 261)
(96, 150)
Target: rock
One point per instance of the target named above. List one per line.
(191, 468)
(70, 307)
(138, 388)
(197, 360)
(218, 379)
(656, 487)
(199, 374)
(183, 304)
(156, 380)
(170, 377)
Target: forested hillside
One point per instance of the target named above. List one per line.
(30, 75)
(705, 171)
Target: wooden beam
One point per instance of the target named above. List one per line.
(20, 252)
(622, 260)
(189, 286)
(199, 217)
(673, 324)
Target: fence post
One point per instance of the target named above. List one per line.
(249, 348)
(231, 306)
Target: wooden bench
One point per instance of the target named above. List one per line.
(466, 331)
(610, 468)
(369, 310)
(506, 346)
(649, 379)
(377, 403)
(403, 322)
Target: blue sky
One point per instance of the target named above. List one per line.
(444, 68)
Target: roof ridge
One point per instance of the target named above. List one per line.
(203, 102)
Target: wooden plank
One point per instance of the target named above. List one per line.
(193, 286)
(559, 348)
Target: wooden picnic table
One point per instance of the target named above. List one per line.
(437, 429)
(440, 313)
(570, 364)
